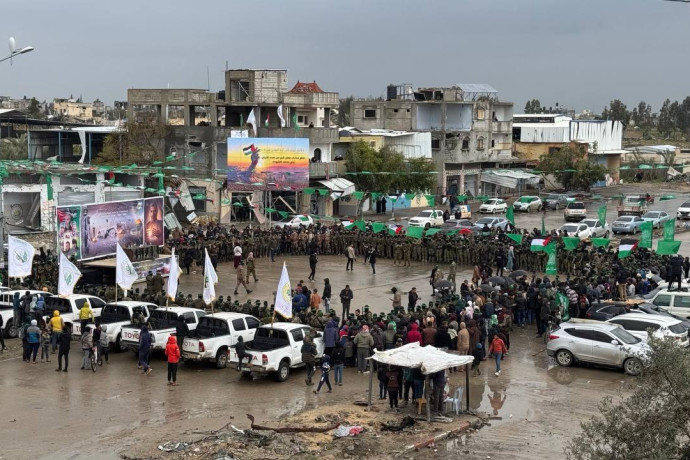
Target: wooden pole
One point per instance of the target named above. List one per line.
(428, 398)
(371, 381)
(467, 387)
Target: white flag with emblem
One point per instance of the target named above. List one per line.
(280, 115)
(251, 120)
(69, 274)
(125, 273)
(21, 257)
(283, 303)
(173, 277)
(210, 280)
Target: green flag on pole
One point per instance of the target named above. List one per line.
(295, 126)
(667, 247)
(600, 242)
(378, 226)
(550, 250)
(49, 185)
(430, 199)
(670, 230)
(543, 227)
(646, 235)
(570, 242)
(601, 213)
(432, 231)
(510, 214)
(415, 232)
(515, 237)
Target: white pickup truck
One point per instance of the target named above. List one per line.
(69, 309)
(215, 334)
(9, 329)
(163, 322)
(115, 315)
(427, 218)
(276, 349)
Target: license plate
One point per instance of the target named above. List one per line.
(188, 355)
(246, 369)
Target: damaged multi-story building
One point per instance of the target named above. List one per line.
(471, 129)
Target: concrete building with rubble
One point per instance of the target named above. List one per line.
(471, 129)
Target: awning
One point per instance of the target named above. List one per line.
(429, 359)
(509, 178)
(339, 184)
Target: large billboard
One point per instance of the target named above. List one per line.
(93, 230)
(268, 163)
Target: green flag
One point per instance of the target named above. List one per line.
(670, 230)
(432, 231)
(378, 226)
(543, 227)
(410, 196)
(431, 200)
(452, 233)
(295, 126)
(308, 191)
(375, 195)
(600, 242)
(510, 214)
(515, 237)
(415, 232)
(602, 215)
(646, 236)
(550, 250)
(358, 195)
(570, 242)
(667, 247)
(49, 185)
(360, 225)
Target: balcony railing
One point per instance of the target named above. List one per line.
(323, 169)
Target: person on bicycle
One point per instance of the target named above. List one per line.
(86, 346)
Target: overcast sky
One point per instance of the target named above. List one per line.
(580, 53)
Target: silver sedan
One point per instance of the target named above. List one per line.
(657, 218)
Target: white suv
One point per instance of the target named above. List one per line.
(428, 218)
(528, 203)
(493, 206)
(675, 302)
(575, 211)
(641, 324)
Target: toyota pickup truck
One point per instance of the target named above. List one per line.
(163, 324)
(69, 309)
(276, 349)
(9, 329)
(115, 315)
(428, 218)
(215, 334)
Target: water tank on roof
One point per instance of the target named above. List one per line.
(391, 92)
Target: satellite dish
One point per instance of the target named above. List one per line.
(13, 45)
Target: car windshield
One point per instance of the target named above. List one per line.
(624, 336)
(485, 220)
(624, 219)
(456, 223)
(552, 197)
(424, 214)
(651, 215)
(492, 201)
(569, 228)
(590, 222)
(685, 205)
(678, 328)
(526, 199)
(576, 206)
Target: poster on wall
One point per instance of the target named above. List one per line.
(93, 230)
(68, 230)
(160, 265)
(268, 163)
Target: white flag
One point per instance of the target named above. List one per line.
(21, 257)
(280, 115)
(69, 274)
(173, 277)
(251, 120)
(283, 304)
(125, 273)
(210, 280)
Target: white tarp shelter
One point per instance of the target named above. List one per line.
(429, 359)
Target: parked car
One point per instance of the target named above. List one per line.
(215, 334)
(575, 210)
(581, 231)
(457, 224)
(116, 315)
(276, 349)
(683, 211)
(642, 325)
(596, 229)
(597, 343)
(657, 218)
(427, 218)
(69, 309)
(9, 329)
(493, 206)
(606, 310)
(491, 222)
(626, 224)
(528, 204)
(557, 200)
(674, 302)
(294, 221)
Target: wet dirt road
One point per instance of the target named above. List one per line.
(118, 410)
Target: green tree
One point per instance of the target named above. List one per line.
(344, 111)
(533, 106)
(642, 114)
(572, 167)
(666, 123)
(35, 109)
(14, 148)
(652, 422)
(138, 142)
(616, 111)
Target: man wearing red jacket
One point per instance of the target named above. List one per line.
(172, 351)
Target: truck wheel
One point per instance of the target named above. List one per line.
(118, 343)
(558, 206)
(283, 371)
(427, 225)
(222, 358)
(11, 330)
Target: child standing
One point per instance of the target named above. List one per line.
(325, 369)
(45, 344)
(172, 351)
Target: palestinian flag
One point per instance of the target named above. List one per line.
(626, 247)
(539, 243)
(249, 150)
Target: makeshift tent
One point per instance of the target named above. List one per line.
(428, 359)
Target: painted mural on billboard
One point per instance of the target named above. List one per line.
(68, 230)
(268, 163)
(153, 222)
(104, 225)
